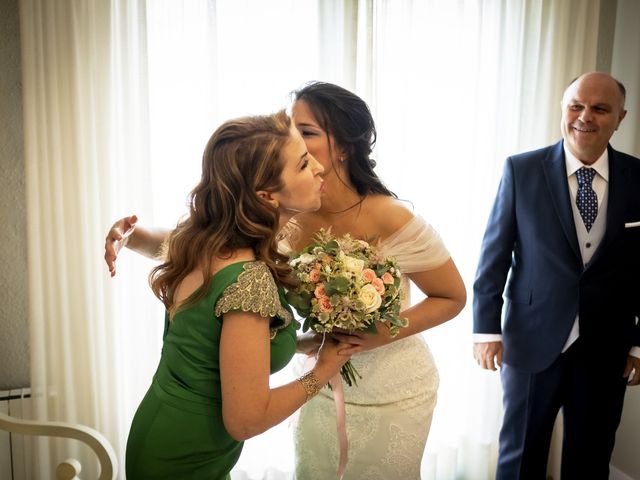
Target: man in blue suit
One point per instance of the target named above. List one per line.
(563, 245)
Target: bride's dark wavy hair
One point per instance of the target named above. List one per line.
(225, 213)
(346, 117)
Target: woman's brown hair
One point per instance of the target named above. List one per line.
(225, 213)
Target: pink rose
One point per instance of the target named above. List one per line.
(378, 285)
(387, 278)
(314, 276)
(320, 292)
(368, 275)
(325, 304)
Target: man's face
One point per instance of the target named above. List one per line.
(592, 109)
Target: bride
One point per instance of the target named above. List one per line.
(389, 412)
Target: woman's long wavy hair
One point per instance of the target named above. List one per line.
(347, 118)
(225, 213)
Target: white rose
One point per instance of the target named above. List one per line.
(370, 297)
(354, 265)
(305, 259)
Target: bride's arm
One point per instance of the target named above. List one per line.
(143, 240)
(446, 297)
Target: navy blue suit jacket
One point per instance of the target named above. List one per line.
(530, 245)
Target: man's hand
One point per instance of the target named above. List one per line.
(633, 365)
(488, 354)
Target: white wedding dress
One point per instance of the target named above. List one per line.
(389, 412)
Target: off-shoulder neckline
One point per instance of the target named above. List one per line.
(398, 232)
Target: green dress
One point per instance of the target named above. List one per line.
(177, 431)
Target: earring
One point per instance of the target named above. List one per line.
(276, 205)
(341, 159)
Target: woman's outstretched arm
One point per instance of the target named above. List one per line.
(143, 240)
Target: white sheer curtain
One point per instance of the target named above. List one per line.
(121, 96)
(87, 157)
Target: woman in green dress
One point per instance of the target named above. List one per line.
(227, 325)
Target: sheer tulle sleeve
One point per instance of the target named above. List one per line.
(416, 247)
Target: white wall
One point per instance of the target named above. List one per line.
(625, 66)
(14, 331)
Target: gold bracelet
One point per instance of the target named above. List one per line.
(310, 383)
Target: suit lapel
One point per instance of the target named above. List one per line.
(615, 207)
(555, 171)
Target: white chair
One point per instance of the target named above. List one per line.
(70, 468)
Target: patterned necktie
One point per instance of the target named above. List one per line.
(586, 200)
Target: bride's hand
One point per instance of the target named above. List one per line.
(115, 238)
(310, 342)
(363, 341)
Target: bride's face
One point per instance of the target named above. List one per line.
(319, 143)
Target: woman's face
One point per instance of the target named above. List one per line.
(303, 185)
(319, 143)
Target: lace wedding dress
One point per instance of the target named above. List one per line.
(389, 412)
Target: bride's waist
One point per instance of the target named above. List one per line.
(402, 369)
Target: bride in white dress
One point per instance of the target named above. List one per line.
(389, 412)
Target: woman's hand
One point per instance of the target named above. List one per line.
(309, 343)
(116, 239)
(331, 357)
(362, 341)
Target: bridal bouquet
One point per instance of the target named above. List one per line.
(345, 283)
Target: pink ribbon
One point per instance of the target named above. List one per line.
(341, 426)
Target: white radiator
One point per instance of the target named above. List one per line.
(15, 450)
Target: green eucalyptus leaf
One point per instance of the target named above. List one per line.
(337, 285)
